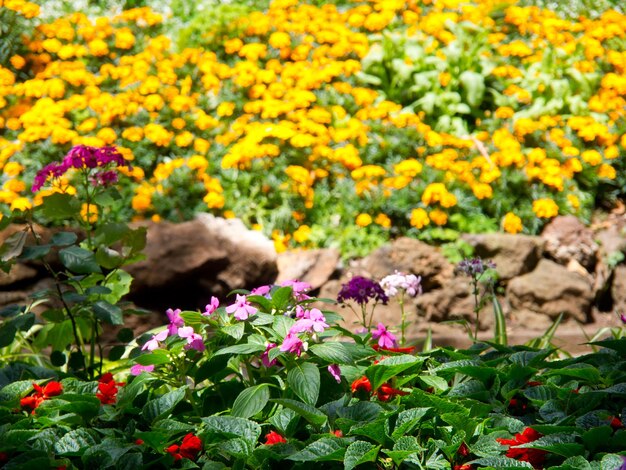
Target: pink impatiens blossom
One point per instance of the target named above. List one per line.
(409, 283)
(242, 309)
(138, 369)
(265, 356)
(153, 343)
(261, 290)
(194, 340)
(335, 371)
(176, 320)
(212, 307)
(292, 344)
(299, 288)
(309, 320)
(384, 337)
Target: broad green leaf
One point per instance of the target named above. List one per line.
(251, 401)
(361, 411)
(60, 206)
(474, 87)
(78, 260)
(156, 357)
(407, 421)
(75, 442)
(438, 383)
(235, 330)
(16, 438)
(380, 373)
(611, 462)
(282, 325)
(405, 447)
(501, 463)
(587, 373)
(359, 452)
(163, 405)
(577, 462)
(324, 449)
(281, 298)
(374, 430)
(108, 313)
(336, 352)
(35, 252)
(285, 420)
(308, 412)
(108, 258)
(231, 426)
(560, 444)
(246, 348)
(64, 238)
(304, 380)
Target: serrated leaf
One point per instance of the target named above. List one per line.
(236, 330)
(359, 452)
(78, 260)
(108, 313)
(251, 401)
(60, 206)
(324, 449)
(304, 380)
(308, 412)
(231, 426)
(74, 442)
(501, 463)
(163, 405)
(336, 352)
(407, 421)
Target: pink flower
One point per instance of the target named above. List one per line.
(175, 320)
(265, 357)
(153, 343)
(194, 340)
(212, 307)
(292, 344)
(623, 318)
(309, 320)
(299, 288)
(335, 371)
(138, 369)
(241, 308)
(261, 290)
(384, 337)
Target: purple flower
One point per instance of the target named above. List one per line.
(265, 356)
(623, 467)
(138, 369)
(362, 290)
(175, 320)
(194, 340)
(153, 343)
(52, 170)
(384, 337)
(309, 320)
(292, 344)
(623, 318)
(475, 266)
(409, 283)
(212, 307)
(241, 308)
(335, 371)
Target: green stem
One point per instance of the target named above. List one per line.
(476, 307)
(403, 319)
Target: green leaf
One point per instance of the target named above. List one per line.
(308, 412)
(359, 452)
(108, 258)
(407, 421)
(161, 406)
(246, 348)
(438, 383)
(231, 426)
(501, 463)
(304, 380)
(324, 449)
(281, 298)
(74, 442)
(108, 313)
(611, 461)
(587, 373)
(60, 206)
(373, 430)
(251, 401)
(156, 357)
(13, 246)
(35, 252)
(474, 87)
(125, 335)
(236, 330)
(78, 260)
(64, 238)
(380, 373)
(336, 352)
(499, 336)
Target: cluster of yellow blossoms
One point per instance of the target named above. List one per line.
(285, 103)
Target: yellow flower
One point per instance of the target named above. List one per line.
(438, 217)
(545, 208)
(21, 204)
(419, 218)
(444, 79)
(15, 186)
(592, 157)
(302, 234)
(12, 169)
(98, 47)
(225, 109)
(89, 213)
(17, 61)
(280, 39)
(383, 220)
(573, 201)
(512, 223)
(214, 200)
(504, 112)
(363, 220)
(607, 171)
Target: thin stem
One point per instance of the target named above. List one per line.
(403, 318)
(476, 306)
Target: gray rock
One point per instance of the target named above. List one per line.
(514, 255)
(567, 238)
(549, 290)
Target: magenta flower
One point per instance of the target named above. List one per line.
(153, 343)
(309, 320)
(384, 337)
(194, 340)
(176, 320)
(261, 290)
(362, 290)
(292, 344)
(299, 288)
(212, 307)
(138, 369)
(241, 308)
(623, 318)
(265, 356)
(335, 371)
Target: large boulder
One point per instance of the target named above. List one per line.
(187, 263)
(567, 239)
(514, 255)
(551, 289)
(618, 289)
(315, 267)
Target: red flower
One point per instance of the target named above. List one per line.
(518, 406)
(273, 437)
(51, 389)
(465, 466)
(408, 350)
(138, 441)
(616, 423)
(533, 456)
(386, 392)
(338, 433)
(463, 450)
(107, 389)
(361, 385)
(188, 449)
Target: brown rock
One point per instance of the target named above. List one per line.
(18, 273)
(313, 266)
(618, 289)
(551, 289)
(567, 238)
(514, 255)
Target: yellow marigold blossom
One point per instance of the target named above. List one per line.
(197, 162)
(363, 220)
(482, 190)
(184, 139)
(124, 38)
(573, 201)
(214, 200)
(107, 135)
(383, 220)
(89, 213)
(592, 157)
(302, 234)
(142, 200)
(21, 204)
(279, 39)
(133, 134)
(437, 192)
(444, 79)
(607, 171)
(201, 145)
(409, 167)
(438, 217)
(504, 112)
(178, 123)
(225, 108)
(98, 47)
(545, 208)
(419, 218)
(611, 152)
(15, 186)
(281, 242)
(511, 223)
(17, 61)
(12, 169)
